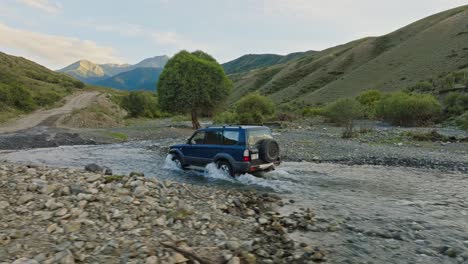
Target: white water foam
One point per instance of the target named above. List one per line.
(169, 164)
(212, 171)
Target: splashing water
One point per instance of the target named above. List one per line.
(212, 171)
(169, 164)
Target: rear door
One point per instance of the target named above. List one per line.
(231, 144)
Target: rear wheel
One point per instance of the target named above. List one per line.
(225, 168)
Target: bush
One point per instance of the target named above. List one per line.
(226, 118)
(368, 100)
(312, 112)
(409, 109)
(422, 87)
(254, 109)
(343, 111)
(462, 121)
(141, 104)
(455, 104)
(46, 98)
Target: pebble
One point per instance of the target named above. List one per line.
(25, 261)
(152, 260)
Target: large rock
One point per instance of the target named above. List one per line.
(93, 167)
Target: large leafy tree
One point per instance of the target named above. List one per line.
(193, 83)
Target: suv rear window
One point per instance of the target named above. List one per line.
(256, 135)
(231, 137)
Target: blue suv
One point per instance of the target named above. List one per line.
(234, 149)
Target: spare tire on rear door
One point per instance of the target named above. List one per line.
(269, 150)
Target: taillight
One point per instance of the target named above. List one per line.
(246, 155)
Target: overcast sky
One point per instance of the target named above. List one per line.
(56, 33)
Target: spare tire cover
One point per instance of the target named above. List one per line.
(269, 150)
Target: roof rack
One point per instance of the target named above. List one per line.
(234, 125)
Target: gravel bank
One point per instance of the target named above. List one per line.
(382, 146)
(72, 216)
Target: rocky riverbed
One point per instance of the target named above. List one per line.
(50, 215)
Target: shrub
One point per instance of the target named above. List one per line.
(141, 104)
(46, 98)
(254, 108)
(432, 135)
(225, 118)
(422, 87)
(455, 104)
(312, 111)
(343, 111)
(462, 121)
(368, 100)
(409, 109)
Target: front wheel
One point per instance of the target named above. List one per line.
(178, 162)
(225, 168)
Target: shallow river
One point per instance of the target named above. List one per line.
(366, 214)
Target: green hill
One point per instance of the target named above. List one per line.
(25, 85)
(255, 61)
(137, 79)
(426, 49)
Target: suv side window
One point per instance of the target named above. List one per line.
(198, 138)
(214, 138)
(230, 137)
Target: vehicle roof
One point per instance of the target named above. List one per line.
(233, 127)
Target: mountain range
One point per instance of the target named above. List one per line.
(424, 50)
(119, 76)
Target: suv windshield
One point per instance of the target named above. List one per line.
(256, 135)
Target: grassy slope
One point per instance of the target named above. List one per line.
(39, 81)
(424, 49)
(255, 61)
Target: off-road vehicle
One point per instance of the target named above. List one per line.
(234, 149)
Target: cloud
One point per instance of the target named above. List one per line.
(160, 38)
(51, 50)
(43, 5)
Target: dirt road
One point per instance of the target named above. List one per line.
(76, 101)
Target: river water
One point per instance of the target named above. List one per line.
(365, 214)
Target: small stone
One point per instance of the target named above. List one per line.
(451, 252)
(234, 260)
(25, 261)
(219, 233)
(205, 217)
(161, 221)
(152, 260)
(140, 192)
(72, 227)
(179, 258)
(262, 221)
(51, 228)
(232, 245)
(4, 205)
(107, 171)
(61, 212)
(25, 198)
(93, 178)
(128, 223)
